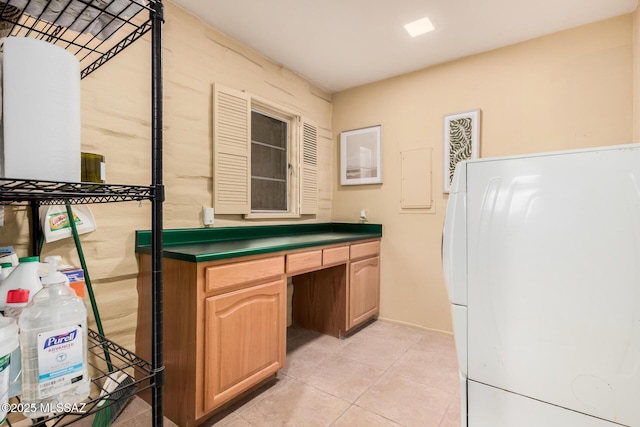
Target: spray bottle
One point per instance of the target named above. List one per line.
(24, 276)
(53, 341)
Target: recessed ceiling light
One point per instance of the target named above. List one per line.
(419, 27)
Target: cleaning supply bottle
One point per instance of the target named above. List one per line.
(8, 343)
(7, 268)
(17, 299)
(53, 342)
(24, 276)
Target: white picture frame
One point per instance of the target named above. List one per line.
(461, 142)
(360, 156)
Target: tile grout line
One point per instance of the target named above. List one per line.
(334, 351)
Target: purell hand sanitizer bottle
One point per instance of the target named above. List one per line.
(53, 341)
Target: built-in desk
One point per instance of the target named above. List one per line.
(225, 302)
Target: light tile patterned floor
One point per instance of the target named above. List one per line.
(384, 375)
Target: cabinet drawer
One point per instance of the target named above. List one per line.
(245, 340)
(237, 273)
(361, 250)
(304, 261)
(335, 255)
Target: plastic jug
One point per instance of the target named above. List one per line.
(24, 276)
(7, 268)
(8, 343)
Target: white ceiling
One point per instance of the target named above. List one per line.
(339, 44)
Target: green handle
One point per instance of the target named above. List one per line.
(87, 279)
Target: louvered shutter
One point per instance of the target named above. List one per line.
(232, 151)
(308, 168)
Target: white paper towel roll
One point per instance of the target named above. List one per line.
(41, 111)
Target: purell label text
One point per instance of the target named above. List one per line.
(60, 339)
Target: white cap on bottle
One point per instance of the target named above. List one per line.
(54, 276)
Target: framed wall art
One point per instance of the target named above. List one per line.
(360, 156)
(461, 141)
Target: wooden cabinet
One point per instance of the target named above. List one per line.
(220, 278)
(363, 250)
(225, 330)
(340, 295)
(319, 300)
(364, 283)
(303, 261)
(245, 339)
(337, 255)
(225, 320)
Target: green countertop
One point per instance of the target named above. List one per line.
(208, 244)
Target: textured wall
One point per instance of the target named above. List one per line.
(568, 90)
(116, 111)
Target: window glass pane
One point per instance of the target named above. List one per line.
(268, 162)
(268, 130)
(268, 195)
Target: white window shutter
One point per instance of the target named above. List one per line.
(231, 151)
(308, 168)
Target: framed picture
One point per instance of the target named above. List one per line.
(461, 141)
(360, 159)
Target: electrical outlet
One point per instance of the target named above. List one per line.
(207, 216)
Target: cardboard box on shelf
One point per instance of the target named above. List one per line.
(76, 279)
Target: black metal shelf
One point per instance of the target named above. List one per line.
(95, 31)
(19, 191)
(118, 28)
(120, 361)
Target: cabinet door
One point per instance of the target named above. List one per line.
(245, 340)
(364, 290)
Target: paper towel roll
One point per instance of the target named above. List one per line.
(41, 111)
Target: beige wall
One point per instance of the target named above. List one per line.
(567, 90)
(116, 122)
(195, 57)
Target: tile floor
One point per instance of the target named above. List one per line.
(384, 375)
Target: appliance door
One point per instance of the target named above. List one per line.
(454, 238)
(493, 407)
(454, 260)
(554, 279)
